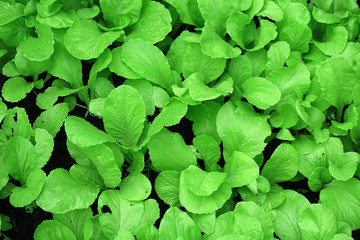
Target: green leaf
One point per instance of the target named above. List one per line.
(135, 187)
(124, 115)
(297, 34)
(61, 19)
(147, 231)
(66, 67)
(317, 222)
(118, 66)
(238, 26)
(88, 13)
(101, 63)
(85, 41)
(145, 90)
(236, 225)
(258, 60)
(333, 40)
(10, 12)
(272, 11)
(176, 224)
(52, 119)
(29, 68)
(318, 177)
(147, 61)
(15, 89)
(241, 129)
(286, 224)
(63, 193)
(167, 187)
(240, 170)
(51, 229)
(81, 133)
(171, 115)
(14, 32)
(121, 13)
(343, 198)
(86, 175)
(154, 23)
(209, 197)
(125, 215)
(96, 106)
(38, 49)
(202, 183)
(175, 156)
(261, 92)
(342, 236)
(75, 220)
(209, 150)
(322, 16)
(254, 210)
(22, 196)
(292, 81)
(16, 123)
(194, 60)
(199, 91)
(282, 165)
(205, 222)
(20, 158)
(188, 11)
(337, 79)
(103, 159)
(240, 69)
(214, 46)
(216, 12)
(151, 212)
(278, 53)
(344, 166)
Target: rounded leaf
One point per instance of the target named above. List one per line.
(15, 89)
(135, 187)
(85, 41)
(63, 193)
(124, 115)
(54, 230)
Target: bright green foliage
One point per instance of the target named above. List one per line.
(261, 92)
(120, 13)
(124, 115)
(241, 129)
(167, 187)
(226, 118)
(137, 182)
(59, 192)
(240, 170)
(22, 196)
(15, 89)
(147, 61)
(84, 40)
(177, 224)
(52, 119)
(282, 165)
(342, 197)
(337, 79)
(235, 225)
(20, 158)
(206, 198)
(317, 221)
(176, 156)
(288, 215)
(79, 131)
(54, 230)
(154, 24)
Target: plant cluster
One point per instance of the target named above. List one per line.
(271, 89)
